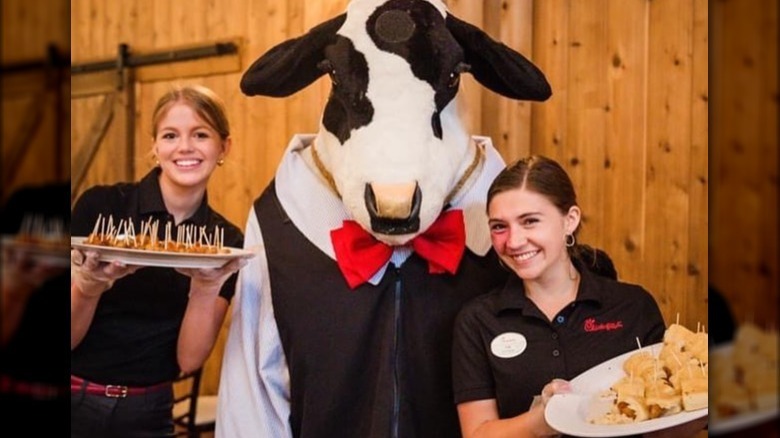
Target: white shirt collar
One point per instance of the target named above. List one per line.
(316, 210)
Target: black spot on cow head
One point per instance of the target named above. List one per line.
(394, 26)
(417, 32)
(348, 107)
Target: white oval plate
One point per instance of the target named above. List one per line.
(50, 255)
(163, 259)
(741, 421)
(569, 413)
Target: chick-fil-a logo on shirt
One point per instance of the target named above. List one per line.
(592, 326)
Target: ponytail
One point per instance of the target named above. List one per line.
(594, 259)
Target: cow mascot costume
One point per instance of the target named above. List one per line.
(372, 234)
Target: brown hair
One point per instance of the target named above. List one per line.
(205, 102)
(546, 177)
(540, 175)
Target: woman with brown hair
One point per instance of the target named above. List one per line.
(562, 312)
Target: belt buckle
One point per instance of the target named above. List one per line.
(116, 391)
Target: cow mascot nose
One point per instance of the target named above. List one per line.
(394, 208)
(373, 233)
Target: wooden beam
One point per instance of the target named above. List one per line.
(24, 83)
(91, 143)
(141, 58)
(85, 84)
(33, 116)
(186, 69)
(32, 76)
(125, 128)
(90, 84)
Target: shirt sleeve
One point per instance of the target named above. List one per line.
(236, 240)
(14, 211)
(654, 326)
(254, 394)
(471, 375)
(86, 211)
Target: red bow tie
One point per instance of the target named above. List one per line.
(359, 255)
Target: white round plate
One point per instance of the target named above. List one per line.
(740, 422)
(163, 259)
(569, 413)
(50, 255)
(743, 420)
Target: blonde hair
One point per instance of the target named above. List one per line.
(203, 100)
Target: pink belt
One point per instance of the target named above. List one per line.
(114, 391)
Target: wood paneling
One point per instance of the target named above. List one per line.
(624, 148)
(668, 151)
(628, 116)
(34, 103)
(508, 120)
(30, 26)
(744, 158)
(697, 264)
(623, 122)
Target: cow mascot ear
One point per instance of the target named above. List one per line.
(292, 65)
(498, 67)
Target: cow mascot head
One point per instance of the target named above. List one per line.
(373, 233)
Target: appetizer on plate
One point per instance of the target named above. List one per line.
(186, 238)
(668, 383)
(746, 374)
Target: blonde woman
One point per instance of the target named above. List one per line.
(134, 330)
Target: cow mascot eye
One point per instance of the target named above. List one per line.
(327, 67)
(454, 80)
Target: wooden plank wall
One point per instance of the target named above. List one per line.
(28, 28)
(628, 117)
(744, 157)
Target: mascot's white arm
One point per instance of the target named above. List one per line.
(254, 384)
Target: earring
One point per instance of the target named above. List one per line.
(220, 162)
(570, 240)
(156, 162)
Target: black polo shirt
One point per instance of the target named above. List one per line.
(506, 348)
(38, 351)
(31, 354)
(132, 338)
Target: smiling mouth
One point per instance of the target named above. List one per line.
(525, 256)
(187, 163)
